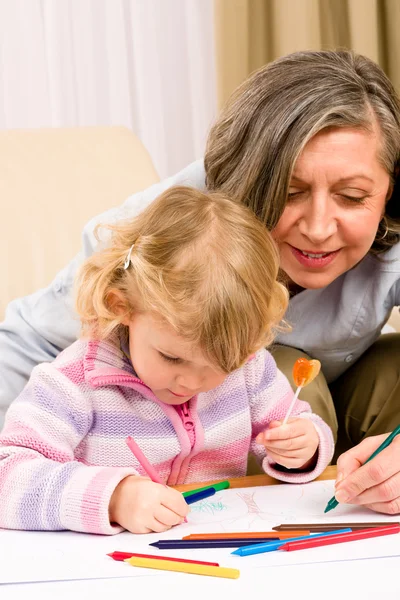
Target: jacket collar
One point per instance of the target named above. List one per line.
(104, 358)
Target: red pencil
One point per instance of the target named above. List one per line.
(120, 556)
(341, 537)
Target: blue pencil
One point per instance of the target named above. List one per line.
(200, 495)
(271, 546)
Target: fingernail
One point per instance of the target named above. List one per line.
(342, 496)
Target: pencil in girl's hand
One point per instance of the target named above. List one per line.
(199, 495)
(149, 469)
(222, 485)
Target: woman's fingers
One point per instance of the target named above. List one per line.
(354, 458)
(375, 482)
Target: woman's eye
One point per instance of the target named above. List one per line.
(292, 195)
(170, 358)
(358, 199)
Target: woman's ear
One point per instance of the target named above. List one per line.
(117, 304)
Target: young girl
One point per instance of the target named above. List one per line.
(176, 313)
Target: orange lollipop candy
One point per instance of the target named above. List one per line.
(304, 371)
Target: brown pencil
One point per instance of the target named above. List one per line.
(321, 527)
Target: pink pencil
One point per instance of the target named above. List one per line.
(150, 470)
(136, 451)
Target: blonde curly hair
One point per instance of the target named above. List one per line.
(202, 263)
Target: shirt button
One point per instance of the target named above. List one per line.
(57, 286)
(349, 358)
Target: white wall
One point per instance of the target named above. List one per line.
(146, 64)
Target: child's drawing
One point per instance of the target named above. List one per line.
(209, 507)
(261, 508)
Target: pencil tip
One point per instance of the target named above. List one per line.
(237, 552)
(154, 544)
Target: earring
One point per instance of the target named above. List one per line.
(385, 224)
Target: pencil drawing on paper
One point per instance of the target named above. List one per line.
(208, 506)
(260, 508)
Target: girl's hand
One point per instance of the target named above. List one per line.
(142, 506)
(293, 445)
(374, 485)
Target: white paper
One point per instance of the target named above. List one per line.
(60, 556)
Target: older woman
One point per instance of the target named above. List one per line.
(311, 143)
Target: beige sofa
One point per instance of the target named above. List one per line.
(52, 181)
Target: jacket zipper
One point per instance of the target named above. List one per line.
(188, 423)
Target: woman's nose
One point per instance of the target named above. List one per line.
(318, 223)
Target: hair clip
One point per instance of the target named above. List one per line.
(128, 257)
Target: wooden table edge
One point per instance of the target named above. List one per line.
(254, 480)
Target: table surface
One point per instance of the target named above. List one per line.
(303, 582)
(254, 480)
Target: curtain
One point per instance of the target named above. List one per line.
(145, 64)
(251, 33)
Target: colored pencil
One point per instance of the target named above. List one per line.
(200, 495)
(333, 502)
(338, 539)
(277, 544)
(232, 543)
(319, 527)
(122, 556)
(244, 535)
(222, 485)
(149, 469)
(169, 565)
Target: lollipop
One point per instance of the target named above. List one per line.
(304, 371)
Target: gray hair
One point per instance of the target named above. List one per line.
(254, 144)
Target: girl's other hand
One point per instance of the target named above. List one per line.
(293, 445)
(142, 506)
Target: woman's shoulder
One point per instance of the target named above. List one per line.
(389, 262)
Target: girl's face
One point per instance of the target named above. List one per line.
(337, 197)
(167, 364)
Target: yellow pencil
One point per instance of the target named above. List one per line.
(169, 565)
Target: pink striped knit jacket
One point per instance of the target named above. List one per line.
(63, 450)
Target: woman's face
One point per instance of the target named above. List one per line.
(337, 197)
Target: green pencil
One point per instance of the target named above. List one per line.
(333, 502)
(222, 485)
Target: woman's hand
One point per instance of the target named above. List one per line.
(142, 506)
(376, 484)
(292, 445)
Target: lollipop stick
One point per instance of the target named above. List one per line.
(289, 410)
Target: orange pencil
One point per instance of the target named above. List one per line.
(244, 535)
